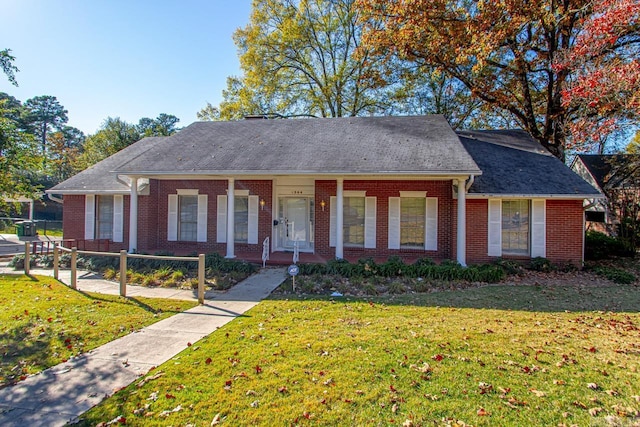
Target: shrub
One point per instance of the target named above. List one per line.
(600, 246)
(541, 264)
(616, 275)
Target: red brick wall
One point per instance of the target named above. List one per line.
(152, 217)
(73, 226)
(564, 222)
(212, 188)
(565, 231)
(382, 190)
(477, 231)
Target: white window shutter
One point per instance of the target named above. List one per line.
(172, 218)
(495, 228)
(538, 228)
(221, 226)
(252, 237)
(203, 210)
(370, 222)
(431, 225)
(333, 200)
(394, 222)
(118, 217)
(89, 216)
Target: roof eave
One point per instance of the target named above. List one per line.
(533, 196)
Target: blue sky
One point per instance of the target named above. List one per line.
(118, 58)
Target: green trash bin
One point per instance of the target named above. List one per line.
(19, 228)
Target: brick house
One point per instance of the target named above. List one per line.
(616, 177)
(342, 187)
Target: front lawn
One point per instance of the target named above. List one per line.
(496, 355)
(43, 323)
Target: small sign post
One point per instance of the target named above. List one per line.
(293, 271)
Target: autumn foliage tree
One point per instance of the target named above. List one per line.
(605, 88)
(504, 52)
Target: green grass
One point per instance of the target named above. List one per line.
(43, 323)
(492, 356)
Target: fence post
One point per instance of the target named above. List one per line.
(27, 260)
(123, 273)
(201, 278)
(56, 261)
(74, 271)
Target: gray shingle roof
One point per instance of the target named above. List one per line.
(611, 170)
(100, 178)
(513, 163)
(424, 145)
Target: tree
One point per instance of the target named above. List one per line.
(17, 156)
(605, 87)
(6, 63)
(504, 53)
(297, 58)
(113, 136)
(209, 113)
(45, 113)
(163, 125)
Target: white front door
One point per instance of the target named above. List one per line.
(294, 223)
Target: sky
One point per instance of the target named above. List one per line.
(122, 58)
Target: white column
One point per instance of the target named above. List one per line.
(461, 248)
(339, 218)
(231, 209)
(133, 215)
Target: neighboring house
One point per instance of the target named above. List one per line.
(617, 177)
(342, 187)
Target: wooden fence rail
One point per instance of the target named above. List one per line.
(123, 255)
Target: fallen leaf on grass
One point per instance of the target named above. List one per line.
(215, 420)
(595, 411)
(559, 382)
(208, 361)
(538, 392)
(593, 386)
(167, 413)
(151, 378)
(483, 413)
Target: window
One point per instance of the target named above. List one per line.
(241, 216)
(412, 222)
(515, 227)
(354, 216)
(188, 218)
(104, 217)
(358, 220)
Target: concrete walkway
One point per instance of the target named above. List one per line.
(64, 392)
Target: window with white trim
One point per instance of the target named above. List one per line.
(241, 223)
(245, 213)
(358, 220)
(353, 221)
(515, 227)
(412, 222)
(104, 217)
(188, 218)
